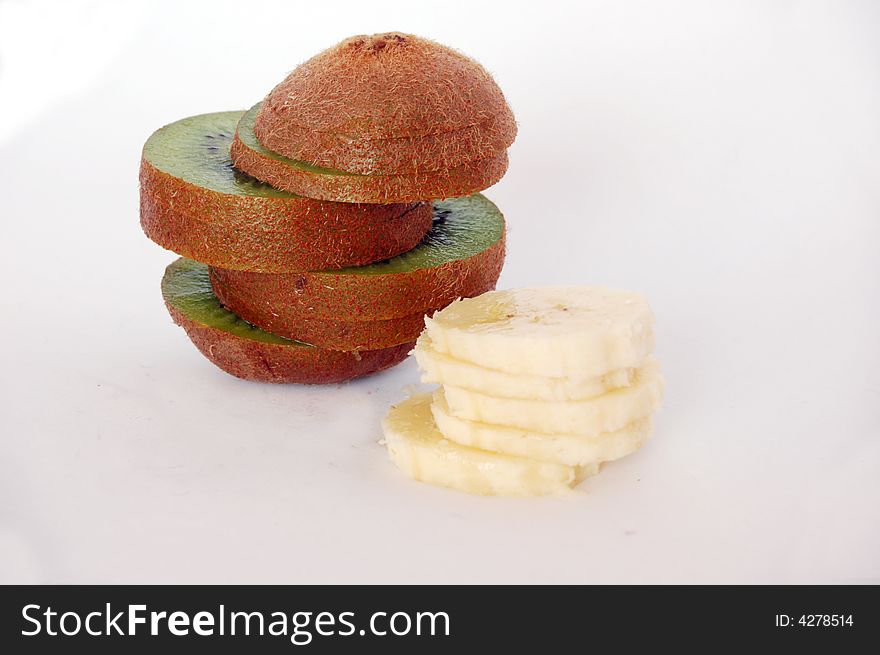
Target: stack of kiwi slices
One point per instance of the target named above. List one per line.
(320, 227)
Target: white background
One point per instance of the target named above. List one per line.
(721, 158)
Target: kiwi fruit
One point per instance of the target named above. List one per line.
(322, 183)
(461, 256)
(333, 110)
(253, 354)
(321, 226)
(195, 203)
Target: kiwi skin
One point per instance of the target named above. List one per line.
(400, 156)
(307, 180)
(186, 226)
(383, 86)
(336, 296)
(282, 364)
(285, 320)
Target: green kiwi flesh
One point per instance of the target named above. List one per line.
(196, 150)
(187, 288)
(462, 228)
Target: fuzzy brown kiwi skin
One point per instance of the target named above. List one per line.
(337, 296)
(282, 364)
(273, 235)
(403, 155)
(463, 180)
(345, 90)
(287, 321)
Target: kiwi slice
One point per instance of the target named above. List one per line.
(461, 256)
(306, 179)
(386, 104)
(195, 203)
(344, 335)
(404, 155)
(247, 352)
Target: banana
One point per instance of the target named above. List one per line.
(606, 413)
(419, 450)
(538, 387)
(568, 449)
(556, 332)
(442, 369)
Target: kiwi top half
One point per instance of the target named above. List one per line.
(186, 287)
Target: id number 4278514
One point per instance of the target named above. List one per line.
(814, 620)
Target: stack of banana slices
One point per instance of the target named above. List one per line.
(538, 387)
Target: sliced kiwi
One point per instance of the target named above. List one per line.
(247, 352)
(196, 150)
(461, 256)
(345, 335)
(397, 156)
(187, 288)
(195, 203)
(306, 179)
(461, 228)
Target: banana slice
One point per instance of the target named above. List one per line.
(419, 450)
(568, 449)
(605, 413)
(442, 369)
(576, 332)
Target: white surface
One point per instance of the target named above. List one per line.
(720, 158)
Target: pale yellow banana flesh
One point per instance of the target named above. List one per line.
(568, 449)
(440, 368)
(419, 450)
(538, 387)
(605, 413)
(557, 332)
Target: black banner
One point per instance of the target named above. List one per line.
(108, 619)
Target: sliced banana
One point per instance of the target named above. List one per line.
(419, 450)
(442, 369)
(576, 332)
(568, 449)
(605, 413)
